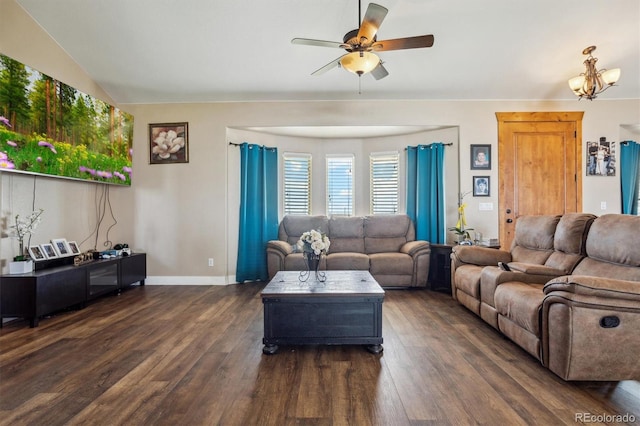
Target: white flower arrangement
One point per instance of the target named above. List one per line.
(314, 242)
(24, 227)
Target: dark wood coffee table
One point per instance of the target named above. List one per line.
(346, 309)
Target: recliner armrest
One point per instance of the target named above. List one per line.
(281, 247)
(482, 256)
(535, 269)
(594, 287)
(416, 248)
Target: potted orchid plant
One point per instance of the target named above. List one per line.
(461, 229)
(24, 227)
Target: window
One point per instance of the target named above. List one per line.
(297, 184)
(340, 185)
(383, 182)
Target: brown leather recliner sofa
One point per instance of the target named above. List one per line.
(572, 297)
(384, 245)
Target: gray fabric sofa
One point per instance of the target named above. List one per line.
(572, 297)
(384, 245)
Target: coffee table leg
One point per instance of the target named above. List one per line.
(270, 349)
(375, 349)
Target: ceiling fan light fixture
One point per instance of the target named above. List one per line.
(360, 62)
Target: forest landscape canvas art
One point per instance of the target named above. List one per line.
(52, 129)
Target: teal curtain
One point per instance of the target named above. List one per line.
(629, 172)
(425, 191)
(258, 210)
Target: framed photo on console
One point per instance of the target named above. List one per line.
(36, 253)
(73, 247)
(61, 247)
(48, 251)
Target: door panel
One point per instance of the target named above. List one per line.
(539, 167)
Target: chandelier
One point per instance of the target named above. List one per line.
(593, 81)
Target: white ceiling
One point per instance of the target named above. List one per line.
(156, 51)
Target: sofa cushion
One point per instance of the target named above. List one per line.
(347, 261)
(570, 241)
(612, 249)
(467, 279)
(391, 264)
(533, 242)
(295, 262)
(292, 226)
(521, 303)
(346, 234)
(387, 233)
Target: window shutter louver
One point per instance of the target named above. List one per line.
(383, 183)
(340, 185)
(297, 184)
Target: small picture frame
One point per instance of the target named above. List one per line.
(37, 253)
(48, 251)
(168, 143)
(61, 247)
(481, 186)
(480, 157)
(73, 247)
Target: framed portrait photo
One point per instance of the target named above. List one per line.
(481, 187)
(36, 253)
(168, 143)
(48, 251)
(480, 157)
(73, 247)
(61, 247)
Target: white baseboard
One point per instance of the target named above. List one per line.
(189, 280)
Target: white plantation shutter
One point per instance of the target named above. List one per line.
(340, 185)
(297, 184)
(383, 169)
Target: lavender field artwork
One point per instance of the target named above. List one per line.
(52, 129)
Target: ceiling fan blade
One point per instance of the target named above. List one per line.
(379, 72)
(321, 43)
(404, 43)
(327, 67)
(371, 23)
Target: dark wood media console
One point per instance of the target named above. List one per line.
(58, 287)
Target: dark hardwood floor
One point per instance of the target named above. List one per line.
(192, 355)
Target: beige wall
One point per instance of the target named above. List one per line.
(183, 214)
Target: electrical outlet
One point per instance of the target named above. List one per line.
(211, 261)
(603, 205)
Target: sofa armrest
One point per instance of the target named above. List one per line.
(281, 247)
(482, 256)
(535, 269)
(277, 251)
(492, 276)
(416, 248)
(584, 285)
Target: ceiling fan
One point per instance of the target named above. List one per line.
(362, 42)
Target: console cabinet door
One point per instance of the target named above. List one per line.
(133, 269)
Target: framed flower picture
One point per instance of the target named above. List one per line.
(168, 143)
